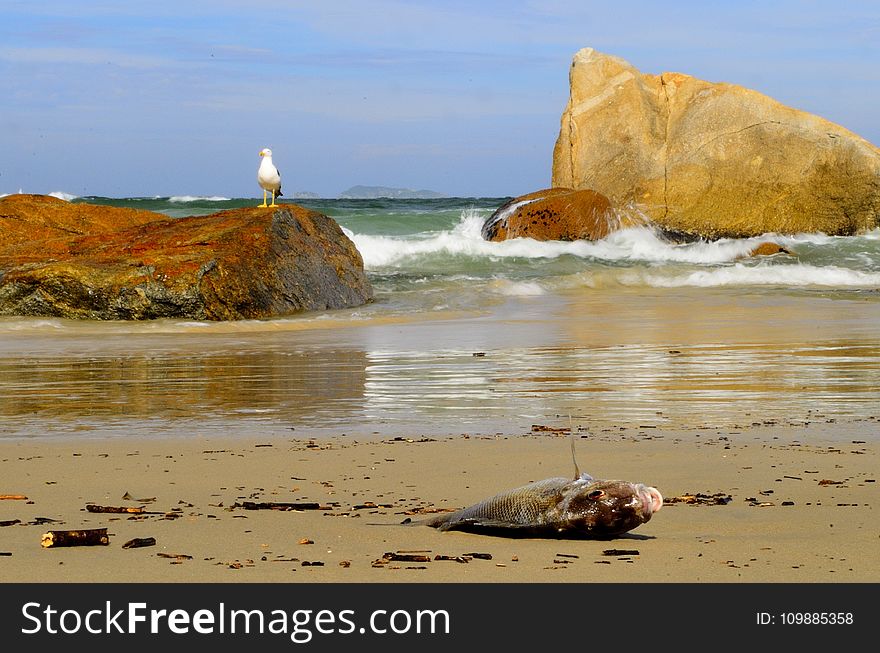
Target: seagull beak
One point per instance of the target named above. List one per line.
(261, 154)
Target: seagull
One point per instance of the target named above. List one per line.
(268, 176)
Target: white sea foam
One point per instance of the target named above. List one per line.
(61, 195)
(518, 289)
(754, 275)
(633, 244)
(638, 257)
(197, 198)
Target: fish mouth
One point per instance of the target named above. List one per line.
(651, 498)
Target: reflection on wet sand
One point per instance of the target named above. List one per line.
(282, 385)
(688, 357)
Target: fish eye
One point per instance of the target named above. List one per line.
(596, 494)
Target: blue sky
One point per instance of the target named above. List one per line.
(177, 98)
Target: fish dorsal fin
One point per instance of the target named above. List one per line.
(577, 471)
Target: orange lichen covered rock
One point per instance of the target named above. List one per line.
(553, 214)
(98, 262)
(768, 249)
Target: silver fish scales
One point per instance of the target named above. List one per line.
(558, 507)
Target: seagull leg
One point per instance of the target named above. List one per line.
(264, 199)
(273, 197)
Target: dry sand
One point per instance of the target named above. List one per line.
(803, 507)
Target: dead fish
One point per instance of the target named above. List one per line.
(558, 507)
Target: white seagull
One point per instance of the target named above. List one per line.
(268, 177)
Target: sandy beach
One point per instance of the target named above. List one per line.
(801, 508)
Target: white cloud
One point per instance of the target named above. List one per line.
(88, 56)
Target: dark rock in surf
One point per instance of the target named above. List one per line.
(84, 261)
(554, 214)
(768, 249)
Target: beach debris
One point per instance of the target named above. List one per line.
(40, 521)
(620, 552)
(558, 507)
(130, 510)
(306, 540)
(371, 504)
(13, 497)
(406, 557)
(139, 542)
(10, 522)
(282, 505)
(461, 559)
(403, 439)
(127, 497)
(85, 537)
(424, 511)
(345, 563)
(699, 498)
(478, 556)
(567, 555)
(177, 557)
(5, 553)
(541, 428)
(314, 563)
(828, 481)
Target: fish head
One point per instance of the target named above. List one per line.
(607, 508)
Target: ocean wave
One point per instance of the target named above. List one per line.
(517, 288)
(753, 275)
(198, 198)
(29, 324)
(61, 195)
(464, 239)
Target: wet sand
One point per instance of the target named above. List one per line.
(802, 508)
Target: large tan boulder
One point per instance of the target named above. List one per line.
(711, 159)
(84, 261)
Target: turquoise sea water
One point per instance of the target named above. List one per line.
(470, 336)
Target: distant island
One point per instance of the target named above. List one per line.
(375, 192)
(305, 195)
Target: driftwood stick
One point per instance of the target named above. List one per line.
(406, 557)
(13, 497)
(86, 537)
(138, 542)
(279, 505)
(131, 510)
